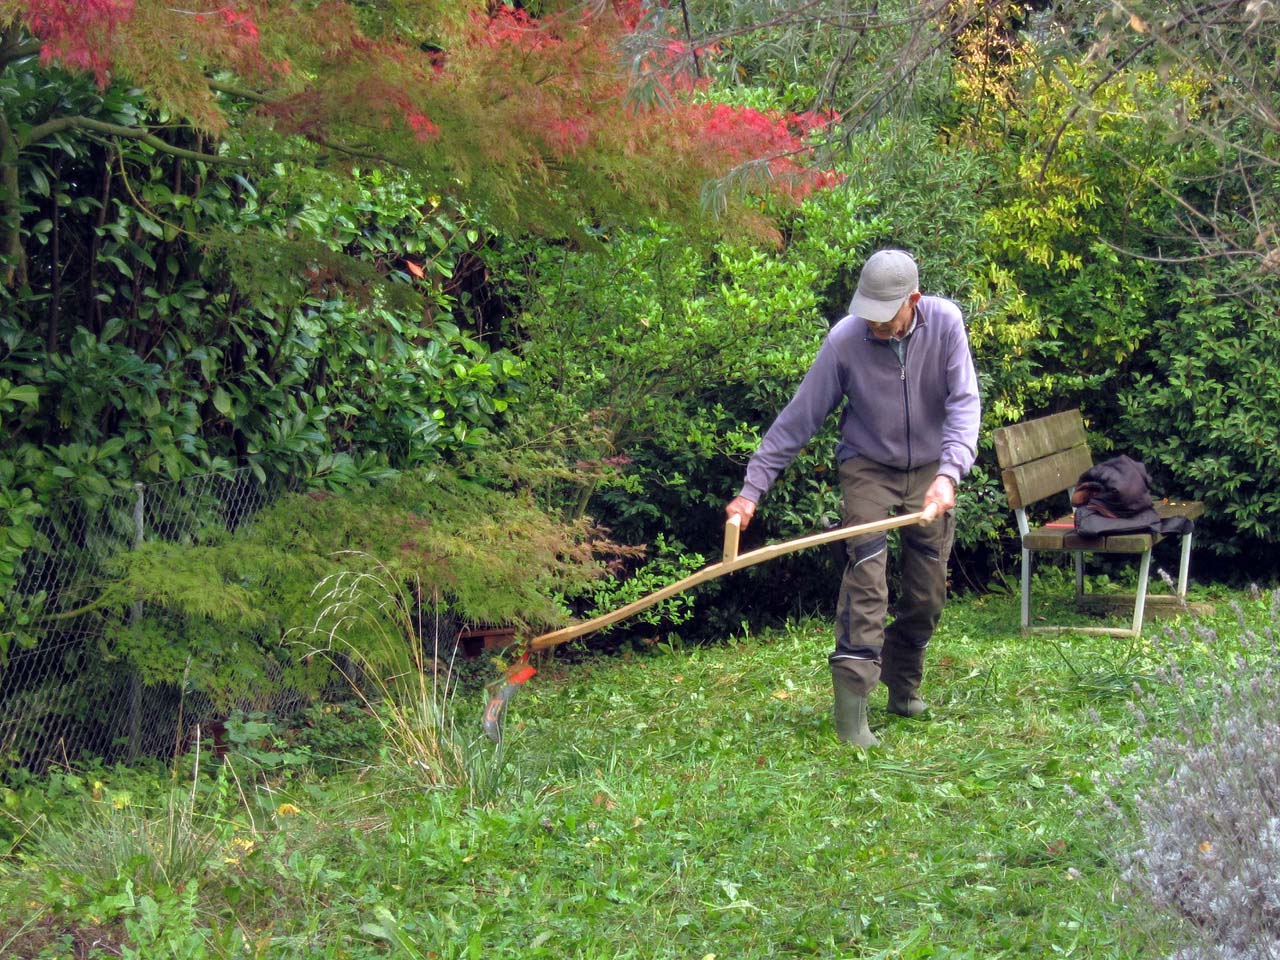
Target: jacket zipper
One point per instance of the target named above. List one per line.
(906, 401)
(902, 377)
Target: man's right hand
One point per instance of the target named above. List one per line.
(741, 507)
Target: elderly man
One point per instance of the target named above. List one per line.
(899, 366)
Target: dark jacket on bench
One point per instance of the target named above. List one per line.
(1114, 497)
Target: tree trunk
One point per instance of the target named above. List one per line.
(55, 267)
(14, 270)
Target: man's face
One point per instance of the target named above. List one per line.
(900, 323)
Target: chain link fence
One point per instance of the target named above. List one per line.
(62, 694)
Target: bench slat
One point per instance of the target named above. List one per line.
(1020, 443)
(1042, 539)
(1028, 483)
(1180, 508)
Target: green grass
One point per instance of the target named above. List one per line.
(682, 803)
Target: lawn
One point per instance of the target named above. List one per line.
(682, 803)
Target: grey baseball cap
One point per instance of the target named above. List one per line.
(887, 279)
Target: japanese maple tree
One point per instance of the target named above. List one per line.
(536, 118)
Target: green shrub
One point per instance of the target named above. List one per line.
(337, 734)
(1204, 411)
(178, 320)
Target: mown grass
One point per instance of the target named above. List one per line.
(680, 803)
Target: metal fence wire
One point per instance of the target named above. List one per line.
(62, 695)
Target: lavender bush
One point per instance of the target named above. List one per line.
(1207, 813)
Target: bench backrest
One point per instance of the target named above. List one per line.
(1041, 457)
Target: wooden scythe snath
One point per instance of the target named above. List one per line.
(730, 562)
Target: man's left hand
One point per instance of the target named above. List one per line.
(941, 496)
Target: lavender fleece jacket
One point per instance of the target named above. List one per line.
(900, 414)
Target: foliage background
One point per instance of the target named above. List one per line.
(503, 295)
(584, 254)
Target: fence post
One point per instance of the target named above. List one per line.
(135, 614)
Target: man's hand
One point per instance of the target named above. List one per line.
(741, 507)
(939, 498)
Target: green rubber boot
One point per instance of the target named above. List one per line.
(851, 711)
(902, 671)
(906, 704)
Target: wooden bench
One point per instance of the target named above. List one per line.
(1042, 458)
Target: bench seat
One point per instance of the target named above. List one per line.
(1060, 534)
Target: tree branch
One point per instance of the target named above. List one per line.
(352, 151)
(254, 97)
(239, 92)
(688, 34)
(10, 195)
(1160, 257)
(50, 127)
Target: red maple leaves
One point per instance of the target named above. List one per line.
(82, 34)
(578, 98)
(76, 32)
(780, 140)
(551, 94)
(238, 22)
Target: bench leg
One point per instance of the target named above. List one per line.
(1184, 565)
(1026, 588)
(1140, 601)
(1079, 564)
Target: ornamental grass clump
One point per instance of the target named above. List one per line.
(122, 845)
(1207, 811)
(406, 677)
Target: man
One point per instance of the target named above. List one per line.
(900, 365)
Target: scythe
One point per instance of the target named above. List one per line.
(730, 562)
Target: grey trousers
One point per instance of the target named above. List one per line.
(872, 491)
